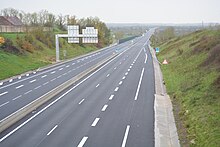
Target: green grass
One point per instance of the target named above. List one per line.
(11, 64)
(191, 86)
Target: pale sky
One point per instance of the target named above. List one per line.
(127, 11)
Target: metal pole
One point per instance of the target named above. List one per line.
(57, 48)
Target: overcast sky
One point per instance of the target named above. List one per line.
(127, 11)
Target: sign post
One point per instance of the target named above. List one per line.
(89, 35)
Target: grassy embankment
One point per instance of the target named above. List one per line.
(13, 63)
(193, 81)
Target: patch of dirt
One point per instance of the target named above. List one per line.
(213, 59)
(182, 130)
(206, 43)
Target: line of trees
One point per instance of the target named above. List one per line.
(47, 19)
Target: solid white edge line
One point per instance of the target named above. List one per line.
(19, 86)
(95, 122)
(111, 97)
(126, 136)
(104, 108)
(139, 84)
(52, 130)
(83, 141)
(81, 101)
(42, 110)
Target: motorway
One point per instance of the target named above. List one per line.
(18, 92)
(113, 106)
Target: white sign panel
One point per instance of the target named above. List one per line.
(90, 35)
(73, 33)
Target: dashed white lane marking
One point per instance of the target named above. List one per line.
(52, 130)
(1, 94)
(4, 104)
(16, 97)
(129, 69)
(120, 63)
(139, 85)
(61, 69)
(120, 83)
(111, 97)
(97, 85)
(95, 122)
(132, 64)
(1, 83)
(126, 136)
(64, 74)
(37, 87)
(82, 142)
(10, 80)
(115, 68)
(52, 72)
(59, 76)
(116, 89)
(43, 76)
(19, 77)
(52, 103)
(28, 92)
(123, 77)
(104, 108)
(19, 86)
(126, 73)
(53, 79)
(27, 75)
(46, 83)
(145, 59)
(73, 63)
(108, 75)
(32, 81)
(81, 101)
(67, 66)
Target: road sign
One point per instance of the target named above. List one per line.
(89, 35)
(157, 49)
(73, 33)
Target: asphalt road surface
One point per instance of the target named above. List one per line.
(111, 107)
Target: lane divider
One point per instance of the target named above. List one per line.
(19, 114)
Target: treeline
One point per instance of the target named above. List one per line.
(161, 36)
(47, 19)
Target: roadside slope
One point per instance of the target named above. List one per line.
(192, 79)
(24, 52)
